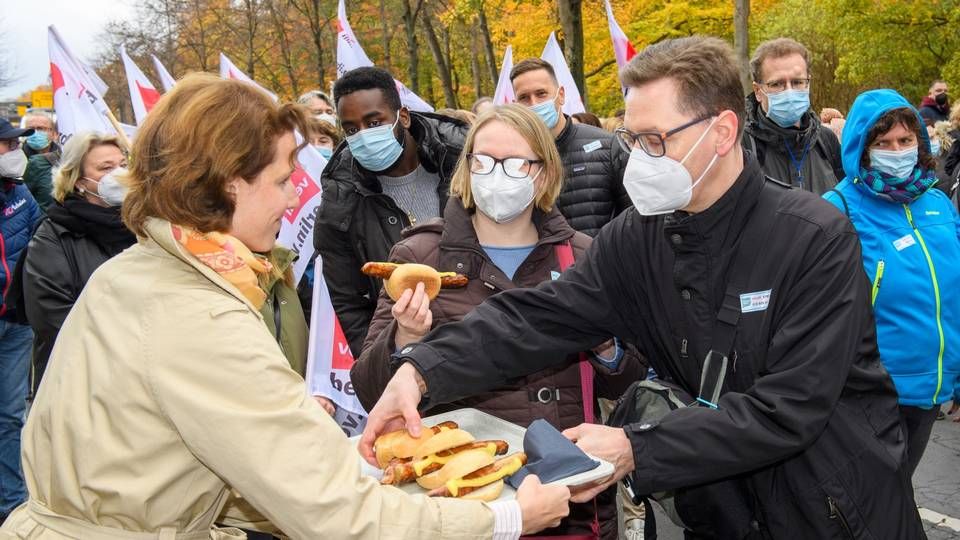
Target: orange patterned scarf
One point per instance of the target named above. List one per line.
(228, 257)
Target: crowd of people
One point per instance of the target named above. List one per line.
(791, 270)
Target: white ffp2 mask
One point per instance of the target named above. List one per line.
(500, 197)
(661, 185)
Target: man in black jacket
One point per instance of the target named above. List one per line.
(716, 265)
(782, 131)
(593, 163)
(935, 106)
(393, 170)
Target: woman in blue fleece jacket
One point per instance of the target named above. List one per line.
(911, 253)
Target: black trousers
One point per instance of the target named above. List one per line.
(917, 424)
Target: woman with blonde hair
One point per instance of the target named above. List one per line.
(82, 231)
(165, 390)
(501, 228)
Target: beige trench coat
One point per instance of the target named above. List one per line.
(165, 389)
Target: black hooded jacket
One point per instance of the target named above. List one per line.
(358, 223)
(808, 417)
(813, 144)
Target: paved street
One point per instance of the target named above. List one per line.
(938, 481)
(937, 487)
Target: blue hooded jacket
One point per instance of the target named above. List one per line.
(911, 253)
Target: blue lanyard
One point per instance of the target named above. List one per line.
(798, 165)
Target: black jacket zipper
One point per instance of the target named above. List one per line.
(836, 514)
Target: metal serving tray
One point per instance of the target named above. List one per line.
(484, 426)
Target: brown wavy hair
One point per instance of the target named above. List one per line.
(907, 117)
(201, 135)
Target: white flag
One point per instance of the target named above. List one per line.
(329, 359)
(328, 355)
(553, 54)
(296, 228)
(84, 72)
(229, 71)
(623, 50)
(76, 96)
(504, 92)
(166, 80)
(143, 96)
(350, 55)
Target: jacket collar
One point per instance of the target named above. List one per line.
(709, 231)
(437, 138)
(761, 127)
(160, 233)
(458, 236)
(282, 259)
(567, 130)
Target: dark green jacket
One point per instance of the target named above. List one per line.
(293, 326)
(39, 177)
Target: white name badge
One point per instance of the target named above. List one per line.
(755, 301)
(904, 242)
(590, 147)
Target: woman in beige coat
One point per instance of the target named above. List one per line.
(165, 389)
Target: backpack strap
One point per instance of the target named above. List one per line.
(755, 232)
(565, 260)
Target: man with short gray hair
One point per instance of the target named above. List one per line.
(43, 154)
(782, 131)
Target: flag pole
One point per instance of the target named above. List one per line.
(120, 132)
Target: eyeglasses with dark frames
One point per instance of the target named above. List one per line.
(652, 142)
(513, 167)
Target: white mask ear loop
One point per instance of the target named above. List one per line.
(702, 135)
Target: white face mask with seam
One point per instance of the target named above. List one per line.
(662, 185)
(500, 197)
(110, 189)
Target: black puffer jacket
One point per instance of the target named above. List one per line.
(593, 164)
(808, 418)
(358, 223)
(821, 168)
(75, 239)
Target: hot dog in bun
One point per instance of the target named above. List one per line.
(400, 277)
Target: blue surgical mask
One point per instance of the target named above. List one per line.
(39, 140)
(547, 111)
(376, 149)
(324, 151)
(788, 107)
(935, 147)
(898, 164)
